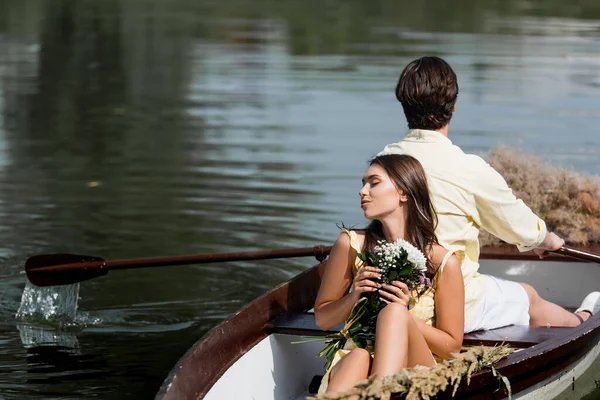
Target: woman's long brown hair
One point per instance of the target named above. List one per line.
(408, 175)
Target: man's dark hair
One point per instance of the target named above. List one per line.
(427, 89)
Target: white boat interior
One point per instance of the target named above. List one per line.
(273, 369)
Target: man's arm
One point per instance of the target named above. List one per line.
(507, 217)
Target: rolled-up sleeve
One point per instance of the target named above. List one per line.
(504, 215)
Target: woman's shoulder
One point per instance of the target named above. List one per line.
(354, 238)
(441, 257)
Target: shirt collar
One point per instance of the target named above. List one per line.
(425, 136)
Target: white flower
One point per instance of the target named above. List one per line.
(414, 255)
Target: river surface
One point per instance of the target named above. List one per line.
(150, 128)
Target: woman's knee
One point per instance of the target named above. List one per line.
(360, 354)
(358, 360)
(361, 361)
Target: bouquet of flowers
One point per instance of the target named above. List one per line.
(399, 260)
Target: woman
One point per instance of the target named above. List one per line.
(396, 199)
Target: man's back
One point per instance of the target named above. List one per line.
(468, 195)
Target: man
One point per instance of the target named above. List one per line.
(468, 194)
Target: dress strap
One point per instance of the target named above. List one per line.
(353, 239)
(354, 243)
(441, 268)
(445, 260)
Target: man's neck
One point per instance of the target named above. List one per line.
(443, 130)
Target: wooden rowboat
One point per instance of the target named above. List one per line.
(251, 356)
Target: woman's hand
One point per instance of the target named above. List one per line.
(363, 282)
(396, 292)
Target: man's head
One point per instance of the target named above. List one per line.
(427, 89)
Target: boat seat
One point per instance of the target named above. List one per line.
(517, 336)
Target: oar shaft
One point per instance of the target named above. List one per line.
(578, 254)
(219, 257)
(320, 252)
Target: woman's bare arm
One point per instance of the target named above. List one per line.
(447, 336)
(334, 303)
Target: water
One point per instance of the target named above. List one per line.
(51, 303)
(135, 128)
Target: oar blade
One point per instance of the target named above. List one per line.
(36, 273)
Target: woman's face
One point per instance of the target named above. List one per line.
(379, 196)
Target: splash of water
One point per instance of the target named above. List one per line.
(49, 304)
(48, 316)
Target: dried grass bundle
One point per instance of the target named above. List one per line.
(422, 383)
(568, 202)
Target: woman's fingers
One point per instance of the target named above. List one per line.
(367, 284)
(366, 289)
(401, 285)
(397, 292)
(370, 268)
(363, 280)
(389, 297)
(369, 272)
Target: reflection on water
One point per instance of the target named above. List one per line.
(35, 335)
(139, 128)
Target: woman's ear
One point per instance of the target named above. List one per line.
(403, 197)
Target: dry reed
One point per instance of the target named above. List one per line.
(422, 383)
(568, 202)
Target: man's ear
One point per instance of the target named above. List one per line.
(454, 107)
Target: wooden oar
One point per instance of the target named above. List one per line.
(66, 269)
(578, 254)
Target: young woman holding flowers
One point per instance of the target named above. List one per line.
(413, 325)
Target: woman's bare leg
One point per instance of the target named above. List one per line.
(543, 313)
(399, 343)
(350, 370)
